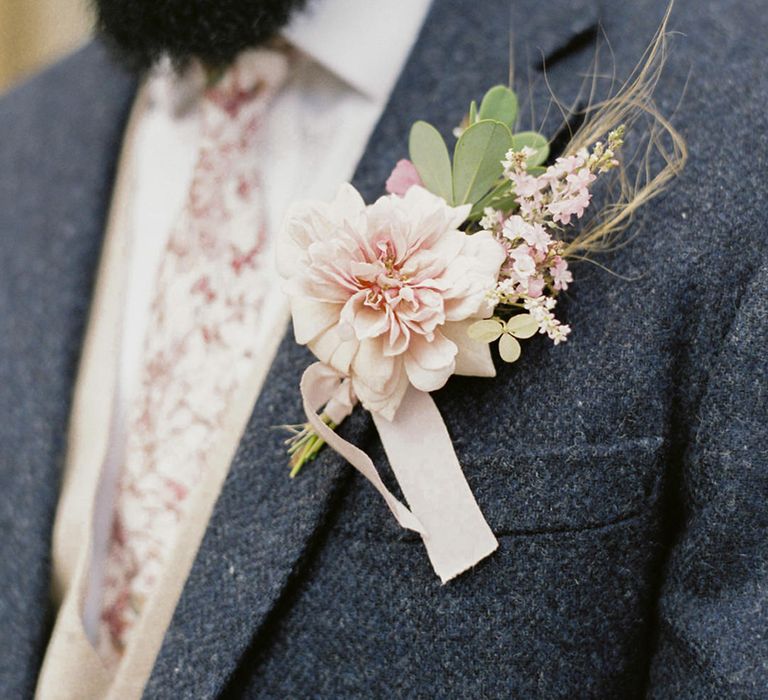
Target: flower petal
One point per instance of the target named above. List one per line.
(298, 230)
(387, 401)
(310, 318)
(430, 364)
(333, 350)
(474, 356)
(372, 366)
(348, 204)
(472, 276)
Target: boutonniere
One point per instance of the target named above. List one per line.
(466, 250)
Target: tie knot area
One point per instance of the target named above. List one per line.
(255, 77)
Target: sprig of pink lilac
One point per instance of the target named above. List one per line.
(535, 269)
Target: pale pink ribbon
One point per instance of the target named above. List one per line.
(420, 451)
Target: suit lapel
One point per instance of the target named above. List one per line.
(264, 524)
(61, 134)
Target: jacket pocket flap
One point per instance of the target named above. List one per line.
(563, 488)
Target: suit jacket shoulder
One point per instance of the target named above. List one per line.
(59, 138)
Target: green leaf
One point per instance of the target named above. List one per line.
(472, 112)
(499, 103)
(486, 331)
(533, 140)
(477, 160)
(497, 196)
(509, 348)
(430, 156)
(522, 326)
(506, 203)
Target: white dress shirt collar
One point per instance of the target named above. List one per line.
(363, 42)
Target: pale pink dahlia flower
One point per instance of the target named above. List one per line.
(384, 293)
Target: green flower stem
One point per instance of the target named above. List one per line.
(305, 444)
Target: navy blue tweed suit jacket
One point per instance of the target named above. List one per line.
(624, 473)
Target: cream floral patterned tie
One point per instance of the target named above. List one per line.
(199, 345)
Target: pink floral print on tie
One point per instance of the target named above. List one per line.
(199, 344)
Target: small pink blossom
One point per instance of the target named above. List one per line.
(580, 179)
(528, 185)
(568, 202)
(560, 193)
(570, 178)
(560, 333)
(535, 287)
(523, 264)
(565, 165)
(538, 255)
(535, 235)
(514, 227)
(538, 238)
(403, 177)
(560, 273)
(541, 310)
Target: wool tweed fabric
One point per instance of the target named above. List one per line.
(624, 472)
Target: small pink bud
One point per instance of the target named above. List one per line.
(403, 177)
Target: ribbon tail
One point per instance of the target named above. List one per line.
(421, 454)
(443, 509)
(314, 394)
